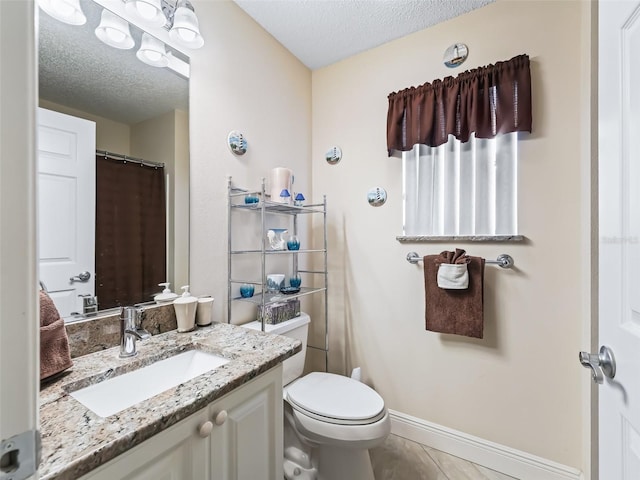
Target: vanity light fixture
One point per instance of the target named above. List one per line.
(114, 31)
(67, 11)
(185, 30)
(147, 11)
(152, 52)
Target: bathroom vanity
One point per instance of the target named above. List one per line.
(223, 424)
(236, 437)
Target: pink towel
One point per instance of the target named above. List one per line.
(55, 355)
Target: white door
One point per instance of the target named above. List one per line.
(19, 368)
(66, 208)
(619, 173)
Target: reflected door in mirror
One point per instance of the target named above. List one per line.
(66, 208)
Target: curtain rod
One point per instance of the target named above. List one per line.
(127, 158)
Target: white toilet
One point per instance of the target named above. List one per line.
(330, 421)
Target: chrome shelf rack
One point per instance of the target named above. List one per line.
(261, 298)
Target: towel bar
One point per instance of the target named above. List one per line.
(503, 260)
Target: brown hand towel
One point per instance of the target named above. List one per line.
(454, 311)
(55, 355)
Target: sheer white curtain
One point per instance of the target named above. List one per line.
(461, 189)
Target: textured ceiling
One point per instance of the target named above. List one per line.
(322, 32)
(78, 70)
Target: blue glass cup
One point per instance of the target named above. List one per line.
(295, 281)
(293, 243)
(250, 198)
(246, 290)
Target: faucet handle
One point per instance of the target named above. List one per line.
(132, 317)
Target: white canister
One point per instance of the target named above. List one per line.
(280, 178)
(185, 308)
(204, 311)
(275, 282)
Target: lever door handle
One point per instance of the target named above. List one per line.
(601, 364)
(81, 277)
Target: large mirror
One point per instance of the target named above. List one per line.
(139, 116)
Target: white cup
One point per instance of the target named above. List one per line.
(204, 311)
(275, 282)
(280, 178)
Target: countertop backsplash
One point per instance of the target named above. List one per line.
(96, 334)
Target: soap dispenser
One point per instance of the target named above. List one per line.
(167, 295)
(185, 307)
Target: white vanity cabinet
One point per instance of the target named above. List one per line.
(237, 437)
(248, 443)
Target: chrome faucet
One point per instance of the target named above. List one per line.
(130, 330)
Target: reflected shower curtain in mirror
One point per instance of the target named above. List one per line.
(130, 232)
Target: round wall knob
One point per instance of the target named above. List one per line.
(221, 417)
(205, 429)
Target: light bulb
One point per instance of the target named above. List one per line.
(67, 11)
(148, 11)
(185, 30)
(145, 10)
(186, 34)
(152, 51)
(115, 35)
(114, 31)
(153, 56)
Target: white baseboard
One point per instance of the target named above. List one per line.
(497, 457)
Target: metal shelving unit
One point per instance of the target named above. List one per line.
(263, 207)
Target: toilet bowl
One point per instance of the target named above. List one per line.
(330, 421)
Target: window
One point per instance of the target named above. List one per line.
(461, 189)
(456, 189)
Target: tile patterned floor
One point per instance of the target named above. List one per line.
(402, 459)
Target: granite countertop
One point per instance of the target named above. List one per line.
(75, 440)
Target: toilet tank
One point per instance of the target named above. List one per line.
(297, 328)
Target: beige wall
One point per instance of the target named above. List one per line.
(242, 79)
(161, 139)
(110, 135)
(521, 385)
(181, 200)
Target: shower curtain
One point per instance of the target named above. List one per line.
(130, 232)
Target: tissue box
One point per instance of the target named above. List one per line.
(279, 311)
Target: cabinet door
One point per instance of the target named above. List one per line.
(246, 443)
(178, 453)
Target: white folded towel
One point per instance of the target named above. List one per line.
(453, 276)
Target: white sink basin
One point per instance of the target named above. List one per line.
(114, 395)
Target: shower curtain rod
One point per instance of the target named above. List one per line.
(127, 158)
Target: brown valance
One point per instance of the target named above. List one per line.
(485, 101)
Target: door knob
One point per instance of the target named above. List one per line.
(601, 363)
(81, 277)
(205, 429)
(221, 417)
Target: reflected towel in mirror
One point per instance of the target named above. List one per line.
(55, 355)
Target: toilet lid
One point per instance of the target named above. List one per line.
(336, 399)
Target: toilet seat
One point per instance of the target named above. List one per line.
(335, 399)
(322, 432)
